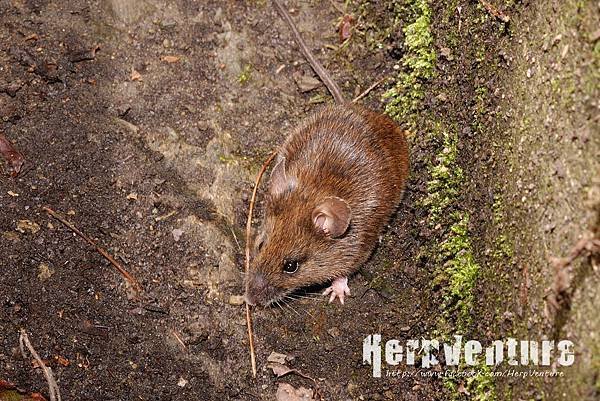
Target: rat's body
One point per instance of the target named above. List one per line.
(337, 180)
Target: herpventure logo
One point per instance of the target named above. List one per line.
(510, 352)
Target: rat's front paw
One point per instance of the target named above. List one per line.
(339, 288)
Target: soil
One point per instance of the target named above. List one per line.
(144, 124)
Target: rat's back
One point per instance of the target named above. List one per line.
(352, 152)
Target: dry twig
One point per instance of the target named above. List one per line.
(134, 283)
(178, 338)
(558, 294)
(368, 90)
(247, 266)
(53, 389)
(586, 244)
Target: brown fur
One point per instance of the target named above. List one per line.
(343, 151)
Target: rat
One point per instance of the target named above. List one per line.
(337, 180)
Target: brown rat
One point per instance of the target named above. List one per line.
(337, 180)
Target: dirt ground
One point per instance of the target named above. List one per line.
(144, 123)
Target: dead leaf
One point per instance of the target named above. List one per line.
(10, 235)
(35, 364)
(276, 357)
(446, 53)
(461, 389)
(44, 272)
(27, 225)
(12, 156)
(305, 83)
(177, 233)
(9, 392)
(287, 392)
(346, 28)
(334, 332)
(135, 76)
(236, 300)
(84, 55)
(62, 361)
(279, 369)
(170, 59)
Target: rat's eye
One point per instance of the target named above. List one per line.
(290, 266)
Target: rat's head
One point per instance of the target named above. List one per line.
(300, 240)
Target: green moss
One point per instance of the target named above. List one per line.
(481, 385)
(457, 270)
(245, 75)
(451, 385)
(446, 177)
(461, 270)
(498, 209)
(417, 65)
(504, 248)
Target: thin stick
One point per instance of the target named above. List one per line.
(247, 267)
(588, 243)
(178, 338)
(314, 63)
(53, 389)
(369, 89)
(134, 283)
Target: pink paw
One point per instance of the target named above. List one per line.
(339, 288)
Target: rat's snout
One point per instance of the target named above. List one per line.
(258, 289)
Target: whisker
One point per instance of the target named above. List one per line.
(314, 297)
(291, 307)
(304, 310)
(279, 305)
(318, 294)
(294, 310)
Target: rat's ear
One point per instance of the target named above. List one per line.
(332, 216)
(280, 181)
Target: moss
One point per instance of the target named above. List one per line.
(498, 209)
(457, 270)
(417, 65)
(450, 383)
(446, 177)
(504, 248)
(481, 385)
(245, 75)
(461, 269)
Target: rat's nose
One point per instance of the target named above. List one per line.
(255, 288)
(248, 300)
